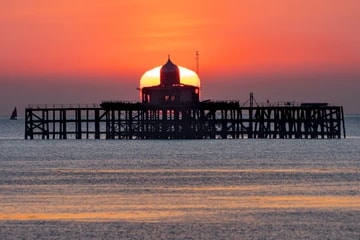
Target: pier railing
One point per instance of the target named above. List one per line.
(63, 106)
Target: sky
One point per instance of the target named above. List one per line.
(87, 51)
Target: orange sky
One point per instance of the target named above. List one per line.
(285, 44)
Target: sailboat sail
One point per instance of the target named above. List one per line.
(14, 114)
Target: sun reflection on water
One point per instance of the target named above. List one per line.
(154, 204)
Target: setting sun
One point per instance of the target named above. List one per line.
(152, 77)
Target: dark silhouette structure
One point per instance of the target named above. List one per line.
(172, 110)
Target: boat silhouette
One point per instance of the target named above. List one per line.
(14, 115)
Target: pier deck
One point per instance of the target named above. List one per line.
(205, 120)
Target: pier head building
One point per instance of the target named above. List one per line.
(170, 91)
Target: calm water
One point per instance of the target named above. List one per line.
(179, 189)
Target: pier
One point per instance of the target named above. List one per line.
(171, 109)
(202, 120)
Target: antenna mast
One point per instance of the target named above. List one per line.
(197, 62)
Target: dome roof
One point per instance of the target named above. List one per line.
(169, 74)
(169, 66)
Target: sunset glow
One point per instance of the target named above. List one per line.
(303, 50)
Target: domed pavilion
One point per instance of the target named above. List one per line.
(170, 91)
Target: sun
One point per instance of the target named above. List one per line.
(152, 77)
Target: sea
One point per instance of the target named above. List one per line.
(179, 189)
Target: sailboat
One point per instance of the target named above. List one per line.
(14, 114)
